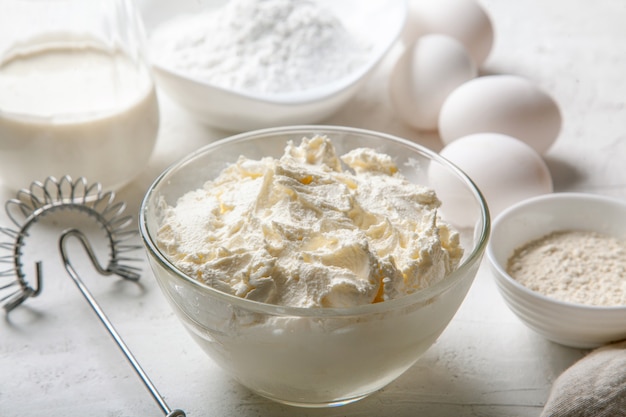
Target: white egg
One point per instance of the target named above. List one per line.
(506, 104)
(464, 20)
(505, 170)
(424, 75)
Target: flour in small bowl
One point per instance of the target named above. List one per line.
(261, 46)
(574, 266)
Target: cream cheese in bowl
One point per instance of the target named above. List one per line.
(303, 231)
(313, 271)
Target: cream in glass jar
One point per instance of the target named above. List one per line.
(76, 94)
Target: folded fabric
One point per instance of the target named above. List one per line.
(595, 386)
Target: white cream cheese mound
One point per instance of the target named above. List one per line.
(302, 231)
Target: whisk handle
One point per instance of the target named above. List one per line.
(107, 323)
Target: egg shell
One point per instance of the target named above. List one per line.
(425, 74)
(506, 104)
(505, 170)
(464, 20)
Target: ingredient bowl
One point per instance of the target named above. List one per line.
(377, 23)
(313, 357)
(567, 323)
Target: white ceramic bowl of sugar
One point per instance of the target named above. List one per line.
(377, 23)
(570, 324)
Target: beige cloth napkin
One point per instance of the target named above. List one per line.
(595, 386)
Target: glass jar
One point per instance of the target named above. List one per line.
(77, 95)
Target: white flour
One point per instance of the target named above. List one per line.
(574, 266)
(260, 46)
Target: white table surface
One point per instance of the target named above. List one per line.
(57, 360)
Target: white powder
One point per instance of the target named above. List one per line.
(260, 46)
(574, 266)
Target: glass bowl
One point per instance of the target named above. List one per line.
(313, 357)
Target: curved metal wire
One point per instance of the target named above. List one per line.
(42, 198)
(52, 195)
(103, 317)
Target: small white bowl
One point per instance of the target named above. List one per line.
(378, 22)
(569, 324)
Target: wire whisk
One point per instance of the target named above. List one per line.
(40, 200)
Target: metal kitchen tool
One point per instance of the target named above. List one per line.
(40, 200)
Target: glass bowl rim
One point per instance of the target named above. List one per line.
(419, 297)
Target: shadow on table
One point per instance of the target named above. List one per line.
(564, 175)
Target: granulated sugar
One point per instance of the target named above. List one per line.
(574, 266)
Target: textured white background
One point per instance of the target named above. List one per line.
(56, 360)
